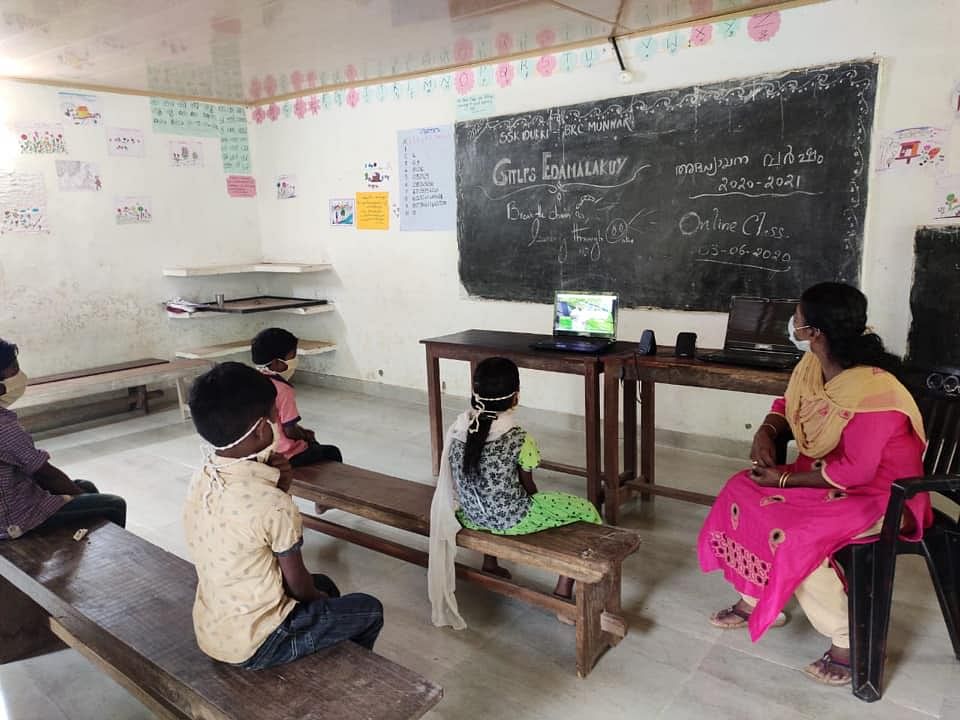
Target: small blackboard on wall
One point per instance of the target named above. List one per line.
(673, 199)
(934, 339)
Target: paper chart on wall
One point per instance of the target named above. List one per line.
(947, 198)
(286, 187)
(342, 211)
(241, 186)
(475, 106)
(23, 203)
(132, 210)
(427, 179)
(184, 117)
(234, 143)
(919, 149)
(373, 211)
(185, 153)
(125, 142)
(41, 139)
(80, 108)
(78, 175)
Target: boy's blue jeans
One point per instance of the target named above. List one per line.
(319, 624)
(91, 505)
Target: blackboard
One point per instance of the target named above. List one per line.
(934, 339)
(673, 199)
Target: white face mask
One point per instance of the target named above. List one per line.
(292, 365)
(15, 386)
(802, 345)
(261, 456)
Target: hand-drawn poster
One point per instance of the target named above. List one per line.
(286, 187)
(373, 211)
(241, 186)
(376, 174)
(41, 139)
(78, 175)
(80, 108)
(23, 203)
(342, 211)
(132, 210)
(185, 153)
(125, 142)
(913, 149)
(427, 179)
(234, 143)
(947, 205)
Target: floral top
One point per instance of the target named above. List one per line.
(491, 496)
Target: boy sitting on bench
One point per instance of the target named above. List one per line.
(33, 493)
(257, 605)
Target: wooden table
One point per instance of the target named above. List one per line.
(475, 345)
(649, 370)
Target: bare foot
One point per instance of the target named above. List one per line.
(833, 668)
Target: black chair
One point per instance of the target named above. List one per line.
(870, 567)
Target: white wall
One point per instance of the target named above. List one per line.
(90, 292)
(394, 288)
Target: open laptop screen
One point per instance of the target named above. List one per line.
(585, 315)
(759, 324)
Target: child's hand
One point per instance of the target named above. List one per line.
(281, 463)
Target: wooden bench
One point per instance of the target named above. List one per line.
(125, 605)
(304, 347)
(134, 377)
(590, 554)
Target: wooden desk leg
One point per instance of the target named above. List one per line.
(630, 429)
(647, 434)
(591, 401)
(434, 410)
(611, 443)
(24, 626)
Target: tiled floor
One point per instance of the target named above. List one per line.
(514, 661)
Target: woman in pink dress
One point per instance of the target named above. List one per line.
(773, 529)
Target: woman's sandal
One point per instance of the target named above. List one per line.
(717, 619)
(818, 670)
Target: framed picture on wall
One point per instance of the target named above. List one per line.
(342, 212)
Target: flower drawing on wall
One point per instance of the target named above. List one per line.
(312, 79)
(259, 115)
(299, 108)
(546, 38)
(504, 43)
(701, 35)
(296, 80)
(351, 73)
(270, 85)
(505, 74)
(255, 88)
(764, 26)
(547, 65)
(314, 104)
(463, 50)
(463, 81)
(353, 97)
(273, 112)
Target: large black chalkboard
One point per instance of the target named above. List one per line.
(674, 199)
(934, 339)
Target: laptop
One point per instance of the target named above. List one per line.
(757, 335)
(582, 322)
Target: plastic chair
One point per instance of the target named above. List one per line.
(870, 567)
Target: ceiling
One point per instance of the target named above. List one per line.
(252, 50)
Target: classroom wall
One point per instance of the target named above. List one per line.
(89, 292)
(393, 288)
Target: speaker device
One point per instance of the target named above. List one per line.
(686, 345)
(648, 343)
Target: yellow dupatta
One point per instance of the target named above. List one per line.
(818, 412)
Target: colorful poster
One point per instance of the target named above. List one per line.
(78, 175)
(23, 203)
(373, 211)
(41, 139)
(913, 149)
(475, 106)
(342, 211)
(185, 153)
(234, 143)
(125, 142)
(947, 206)
(427, 179)
(132, 210)
(286, 187)
(80, 108)
(242, 186)
(376, 174)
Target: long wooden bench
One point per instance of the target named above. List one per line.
(134, 377)
(591, 554)
(125, 604)
(304, 348)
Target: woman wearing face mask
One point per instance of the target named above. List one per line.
(33, 493)
(773, 529)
